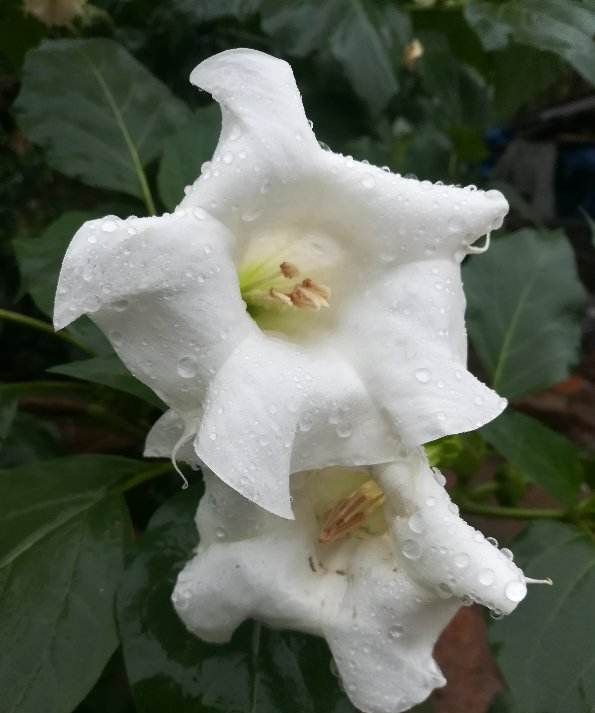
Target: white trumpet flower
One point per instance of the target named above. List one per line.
(299, 309)
(377, 561)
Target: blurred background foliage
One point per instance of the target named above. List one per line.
(97, 116)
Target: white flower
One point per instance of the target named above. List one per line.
(354, 339)
(377, 561)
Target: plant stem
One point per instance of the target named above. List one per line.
(42, 326)
(513, 513)
(28, 387)
(485, 490)
(152, 472)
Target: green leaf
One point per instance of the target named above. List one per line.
(184, 153)
(109, 371)
(8, 410)
(513, 90)
(29, 439)
(544, 456)
(100, 114)
(260, 671)
(458, 92)
(62, 532)
(365, 37)
(545, 649)
(39, 259)
(564, 27)
(525, 308)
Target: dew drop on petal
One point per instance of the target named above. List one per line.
(120, 305)
(411, 549)
(492, 541)
(507, 553)
(439, 477)
(109, 226)
(487, 577)
(461, 560)
(395, 632)
(220, 533)
(305, 424)
(416, 523)
(251, 215)
(515, 591)
(344, 430)
(116, 338)
(187, 367)
(368, 182)
(228, 157)
(423, 376)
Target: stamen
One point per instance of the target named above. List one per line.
(351, 512)
(280, 296)
(310, 295)
(289, 270)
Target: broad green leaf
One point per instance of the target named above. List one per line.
(29, 439)
(100, 114)
(525, 308)
(545, 649)
(544, 456)
(108, 371)
(40, 258)
(365, 37)
(564, 27)
(208, 11)
(458, 92)
(260, 671)
(184, 153)
(62, 531)
(8, 410)
(513, 89)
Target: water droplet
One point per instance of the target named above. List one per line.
(507, 553)
(212, 436)
(438, 477)
(109, 226)
(496, 614)
(423, 375)
(251, 215)
(478, 400)
(120, 305)
(235, 134)
(116, 338)
(411, 549)
(396, 631)
(344, 430)
(220, 533)
(515, 591)
(492, 541)
(266, 187)
(368, 181)
(228, 157)
(305, 423)
(187, 367)
(487, 577)
(416, 523)
(461, 560)
(199, 213)
(430, 501)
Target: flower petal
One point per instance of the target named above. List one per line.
(382, 632)
(165, 293)
(437, 547)
(404, 219)
(411, 320)
(380, 624)
(285, 408)
(166, 434)
(265, 139)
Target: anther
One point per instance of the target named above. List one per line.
(289, 270)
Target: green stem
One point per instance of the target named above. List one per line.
(483, 491)
(155, 471)
(513, 513)
(28, 387)
(135, 158)
(42, 326)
